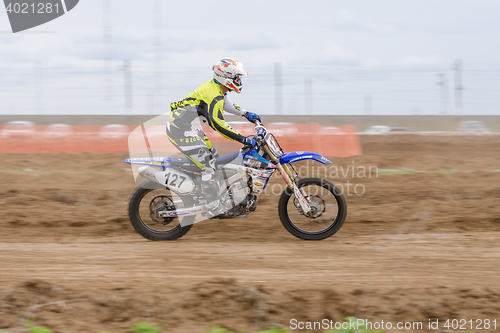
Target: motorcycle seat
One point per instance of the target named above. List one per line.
(186, 163)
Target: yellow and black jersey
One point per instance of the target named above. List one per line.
(206, 104)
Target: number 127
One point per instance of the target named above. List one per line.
(172, 181)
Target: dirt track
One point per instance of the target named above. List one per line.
(415, 246)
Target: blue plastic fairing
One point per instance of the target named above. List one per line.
(160, 162)
(297, 156)
(165, 162)
(254, 160)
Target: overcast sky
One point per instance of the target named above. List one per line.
(378, 56)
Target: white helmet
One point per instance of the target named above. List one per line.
(228, 72)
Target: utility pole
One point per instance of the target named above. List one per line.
(157, 96)
(368, 104)
(292, 102)
(39, 87)
(308, 96)
(278, 89)
(150, 103)
(458, 87)
(443, 83)
(106, 34)
(127, 80)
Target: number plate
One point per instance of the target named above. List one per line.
(271, 143)
(175, 180)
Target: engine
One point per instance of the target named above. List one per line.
(238, 200)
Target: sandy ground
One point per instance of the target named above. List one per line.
(421, 243)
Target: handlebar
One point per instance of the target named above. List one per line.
(258, 123)
(260, 133)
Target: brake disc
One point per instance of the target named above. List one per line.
(316, 203)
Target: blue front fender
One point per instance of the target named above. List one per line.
(297, 156)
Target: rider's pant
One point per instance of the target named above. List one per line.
(195, 145)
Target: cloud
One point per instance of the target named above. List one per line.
(336, 41)
(370, 62)
(419, 60)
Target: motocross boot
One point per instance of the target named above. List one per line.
(210, 190)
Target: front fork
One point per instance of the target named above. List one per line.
(290, 180)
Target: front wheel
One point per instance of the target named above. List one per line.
(328, 210)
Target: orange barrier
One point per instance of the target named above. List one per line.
(342, 142)
(338, 141)
(328, 141)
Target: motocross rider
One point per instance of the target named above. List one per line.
(206, 105)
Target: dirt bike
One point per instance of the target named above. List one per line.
(170, 200)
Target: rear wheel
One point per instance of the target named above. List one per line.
(146, 203)
(328, 210)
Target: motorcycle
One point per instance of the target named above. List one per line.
(170, 200)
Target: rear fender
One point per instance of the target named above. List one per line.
(159, 162)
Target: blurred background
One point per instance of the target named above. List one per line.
(410, 88)
(320, 58)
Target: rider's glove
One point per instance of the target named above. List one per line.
(251, 117)
(249, 142)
